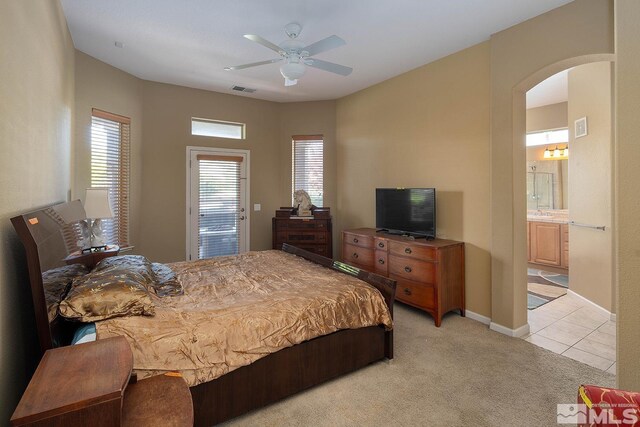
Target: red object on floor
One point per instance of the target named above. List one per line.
(609, 407)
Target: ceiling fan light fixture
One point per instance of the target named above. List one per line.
(292, 70)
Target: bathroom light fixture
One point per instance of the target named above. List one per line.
(556, 153)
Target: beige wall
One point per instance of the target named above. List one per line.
(101, 86)
(426, 128)
(590, 183)
(158, 169)
(36, 115)
(310, 118)
(547, 117)
(627, 177)
(167, 114)
(521, 57)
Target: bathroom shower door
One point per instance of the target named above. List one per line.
(539, 190)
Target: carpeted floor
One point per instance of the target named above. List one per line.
(461, 374)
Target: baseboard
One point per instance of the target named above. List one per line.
(592, 304)
(477, 317)
(519, 332)
(612, 317)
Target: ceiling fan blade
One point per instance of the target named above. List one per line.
(253, 64)
(264, 42)
(329, 66)
(324, 45)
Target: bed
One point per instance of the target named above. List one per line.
(229, 375)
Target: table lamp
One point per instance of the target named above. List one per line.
(97, 207)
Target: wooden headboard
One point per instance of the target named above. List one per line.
(42, 234)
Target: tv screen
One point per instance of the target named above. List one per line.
(406, 210)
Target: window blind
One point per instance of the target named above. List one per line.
(308, 167)
(218, 205)
(110, 164)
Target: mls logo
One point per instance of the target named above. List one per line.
(572, 413)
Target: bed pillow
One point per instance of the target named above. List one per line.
(56, 283)
(136, 263)
(167, 283)
(106, 293)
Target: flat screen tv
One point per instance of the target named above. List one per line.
(406, 211)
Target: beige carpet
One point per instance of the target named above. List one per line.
(461, 374)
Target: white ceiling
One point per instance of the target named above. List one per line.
(189, 42)
(550, 91)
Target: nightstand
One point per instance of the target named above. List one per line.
(90, 259)
(89, 385)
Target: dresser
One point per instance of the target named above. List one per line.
(311, 234)
(429, 273)
(92, 385)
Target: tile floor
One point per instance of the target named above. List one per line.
(571, 327)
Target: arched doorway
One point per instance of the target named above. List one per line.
(521, 57)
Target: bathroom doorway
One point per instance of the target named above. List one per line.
(570, 296)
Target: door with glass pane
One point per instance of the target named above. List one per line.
(217, 213)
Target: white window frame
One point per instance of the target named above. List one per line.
(300, 138)
(247, 197)
(242, 126)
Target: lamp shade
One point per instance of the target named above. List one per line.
(96, 203)
(292, 70)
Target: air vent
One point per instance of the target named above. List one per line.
(243, 89)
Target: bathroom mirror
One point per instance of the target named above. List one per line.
(547, 184)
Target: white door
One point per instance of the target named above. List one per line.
(217, 201)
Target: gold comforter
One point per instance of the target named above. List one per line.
(238, 309)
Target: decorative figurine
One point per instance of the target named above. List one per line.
(302, 203)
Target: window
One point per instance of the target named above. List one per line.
(110, 169)
(556, 136)
(216, 128)
(307, 166)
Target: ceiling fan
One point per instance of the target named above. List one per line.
(297, 56)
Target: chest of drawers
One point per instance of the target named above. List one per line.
(429, 274)
(313, 235)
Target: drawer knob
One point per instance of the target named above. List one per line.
(355, 255)
(380, 261)
(355, 240)
(407, 250)
(407, 291)
(381, 245)
(407, 269)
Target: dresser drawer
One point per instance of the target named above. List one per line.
(381, 244)
(358, 240)
(381, 263)
(358, 255)
(294, 237)
(412, 269)
(412, 251)
(302, 224)
(416, 294)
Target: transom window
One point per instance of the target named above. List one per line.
(217, 128)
